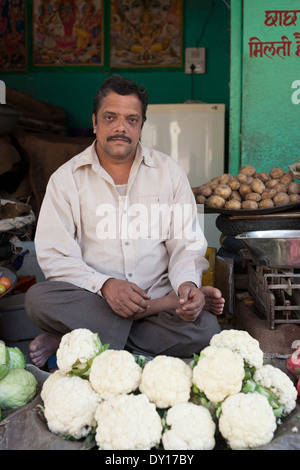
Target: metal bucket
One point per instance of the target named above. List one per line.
(274, 248)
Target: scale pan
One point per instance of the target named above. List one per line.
(273, 248)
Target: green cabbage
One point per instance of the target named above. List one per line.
(3, 370)
(17, 388)
(16, 360)
(4, 356)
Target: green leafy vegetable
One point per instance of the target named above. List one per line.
(16, 360)
(250, 386)
(4, 356)
(17, 388)
(3, 370)
(83, 369)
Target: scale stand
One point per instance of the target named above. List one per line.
(276, 292)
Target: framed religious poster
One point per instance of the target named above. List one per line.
(13, 53)
(146, 33)
(68, 32)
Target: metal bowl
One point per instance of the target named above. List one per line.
(8, 119)
(273, 248)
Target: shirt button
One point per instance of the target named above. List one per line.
(129, 274)
(126, 243)
(93, 287)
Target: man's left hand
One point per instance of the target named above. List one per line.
(192, 301)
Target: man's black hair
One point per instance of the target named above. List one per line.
(121, 86)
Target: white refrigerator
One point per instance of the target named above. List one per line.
(192, 134)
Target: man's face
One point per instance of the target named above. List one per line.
(118, 126)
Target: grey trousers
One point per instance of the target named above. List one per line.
(59, 307)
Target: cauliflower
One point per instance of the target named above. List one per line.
(191, 428)
(127, 422)
(47, 385)
(279, 384)
(247, 421)
(241, 342)
(114, 372)
(70, 406)
(77, 350)
(218, 373)
(166, 381)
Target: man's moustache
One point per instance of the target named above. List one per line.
(119, 136)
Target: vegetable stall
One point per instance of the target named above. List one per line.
(227, 397)
(230, 396)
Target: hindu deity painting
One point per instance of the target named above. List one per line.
(67, 32)
(13, 50)
(146, 33)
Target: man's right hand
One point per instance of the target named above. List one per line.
(124, 297)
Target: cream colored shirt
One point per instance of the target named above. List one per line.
(147, 232)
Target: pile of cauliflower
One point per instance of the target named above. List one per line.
(128, 403)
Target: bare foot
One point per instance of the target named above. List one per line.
(214, 302)
(43, 347)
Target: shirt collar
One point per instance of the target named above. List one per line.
(89, 156)
(143, 153)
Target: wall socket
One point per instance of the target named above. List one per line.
(195, 56)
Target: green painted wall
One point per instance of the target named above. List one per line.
(75, 90)
(268, 105)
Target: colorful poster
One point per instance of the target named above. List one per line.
(146, 33)
(13, 35)
(67, 32)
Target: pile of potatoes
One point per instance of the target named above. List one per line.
(249, 190)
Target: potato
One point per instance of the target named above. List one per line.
(253, 197)
(204, 190)
(212, 185)
(271, 183)
(294, 198)
(281, 188)
(287, 178)
(223, 190)
(234, 184)
(258, 186)
(263, 176)
(281, 199)
(200, 199)
(276, 173)
(249, 205)
(294, 188)
(235, 195)
(233, 204)
(216, 179)
(241, 177)
(225, 178)
(265, 203)
(215, 201)
(248, 170)
(244, 189)
(269, 194)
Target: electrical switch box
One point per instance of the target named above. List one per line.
(195, 60)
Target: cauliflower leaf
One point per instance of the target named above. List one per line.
(77, 351)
